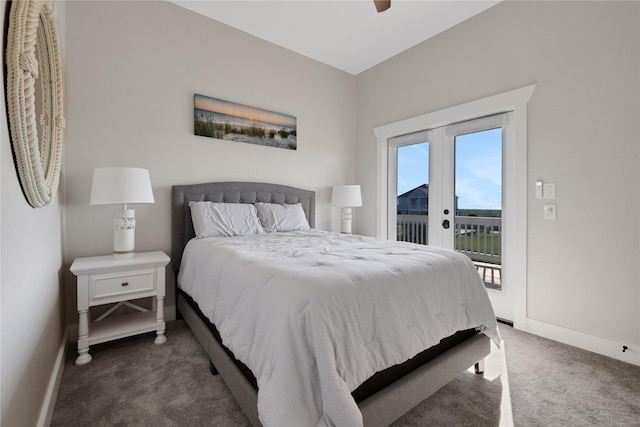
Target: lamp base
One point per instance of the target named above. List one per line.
(124, 233)
(346, 220)
(127, 255)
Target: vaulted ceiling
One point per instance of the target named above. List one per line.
(349, 34)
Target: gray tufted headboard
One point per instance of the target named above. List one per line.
(228, 192)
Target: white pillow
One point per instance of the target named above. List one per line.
(282, 217)
(212, 219)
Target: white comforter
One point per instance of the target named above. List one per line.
(314, 314)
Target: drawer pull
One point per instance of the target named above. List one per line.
(125, 283)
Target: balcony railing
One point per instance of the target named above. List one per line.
(478, 237)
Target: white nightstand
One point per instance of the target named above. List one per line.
(105, 280)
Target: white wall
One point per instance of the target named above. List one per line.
(132, 70)
(583, 134)
(31, 287)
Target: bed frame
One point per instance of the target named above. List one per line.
(379, 409)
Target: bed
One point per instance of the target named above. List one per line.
(379, 397)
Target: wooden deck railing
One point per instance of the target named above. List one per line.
(478, 237)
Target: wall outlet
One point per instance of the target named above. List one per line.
(550, 211)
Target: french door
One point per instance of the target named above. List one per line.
(445, 188)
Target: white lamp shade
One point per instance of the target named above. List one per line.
(115, 186)
(346, 196)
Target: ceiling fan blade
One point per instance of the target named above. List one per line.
(382, 5)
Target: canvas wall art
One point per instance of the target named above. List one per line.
(226, 120)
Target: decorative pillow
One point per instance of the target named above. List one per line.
(212, 219)
(282, 217)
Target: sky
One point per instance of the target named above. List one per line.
(478, 169)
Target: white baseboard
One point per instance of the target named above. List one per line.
(46, 412)
(584, 341)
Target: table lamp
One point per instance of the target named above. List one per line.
(346, 196)
(122, 186)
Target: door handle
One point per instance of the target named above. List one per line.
(445, 224)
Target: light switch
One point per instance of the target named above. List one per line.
(549, 190)
(539, 189)
(550, 211)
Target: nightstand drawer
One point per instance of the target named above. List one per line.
(118, 287)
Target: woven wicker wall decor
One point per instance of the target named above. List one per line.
(33, 54)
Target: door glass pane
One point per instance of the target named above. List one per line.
(413, 193)
(478, 201)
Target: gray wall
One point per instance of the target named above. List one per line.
(583, 134)
(132, 70)
(32, 302)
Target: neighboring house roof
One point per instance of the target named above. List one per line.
(421, 189)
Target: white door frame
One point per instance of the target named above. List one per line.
(514, 182)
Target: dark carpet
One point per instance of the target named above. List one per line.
(530, 381)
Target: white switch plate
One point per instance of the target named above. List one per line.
(550, 211)
(539, 189)
(549, 190)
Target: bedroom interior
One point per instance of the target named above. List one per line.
(129, 89)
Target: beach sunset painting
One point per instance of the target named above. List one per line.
(229, 121)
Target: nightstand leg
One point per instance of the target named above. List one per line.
(83, 338)
(160, 338)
